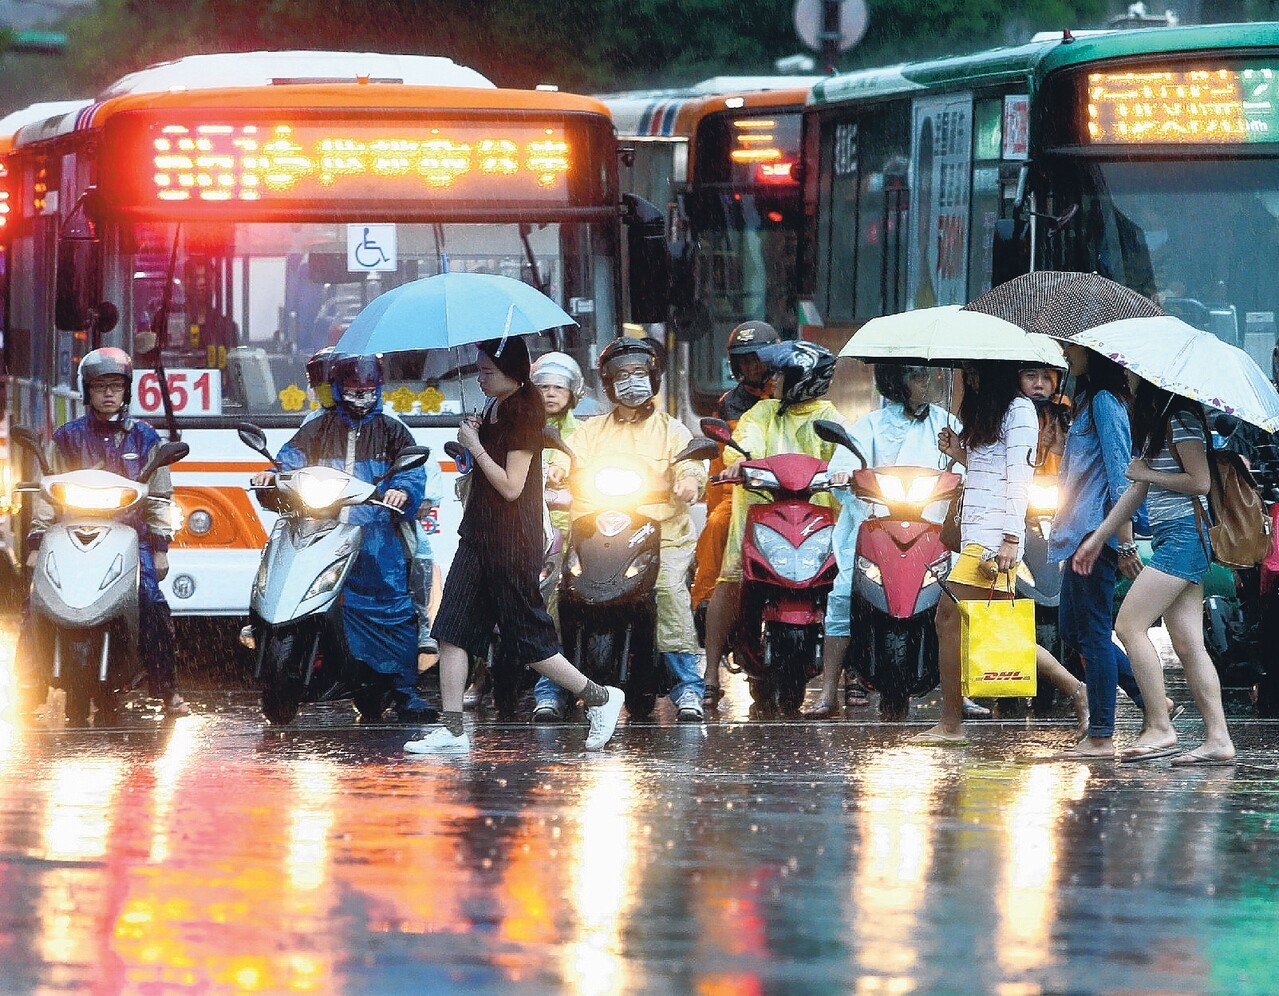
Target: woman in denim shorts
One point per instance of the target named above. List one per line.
(1172, 475)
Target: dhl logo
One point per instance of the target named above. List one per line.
(1004, 676)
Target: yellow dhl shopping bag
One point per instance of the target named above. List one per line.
(997, 648)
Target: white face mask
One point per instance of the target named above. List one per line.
(633, 391)
(360, 399)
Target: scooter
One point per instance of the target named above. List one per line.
(295, 607)
(788, 570)
(85, 583)
(900, 563)
(608, 585)
(508, 678)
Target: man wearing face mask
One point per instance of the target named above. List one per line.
(631, 370)
(357, 437)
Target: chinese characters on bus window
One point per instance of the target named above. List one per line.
(941, 165)
(1205, 106)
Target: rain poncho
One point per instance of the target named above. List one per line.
(378, 612)
(567, 424)
(762, 432)
(653, 441)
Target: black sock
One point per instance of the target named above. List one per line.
(452, 721)
(593, 694)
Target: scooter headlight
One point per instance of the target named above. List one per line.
(618, 482)
(870, 570)
(916, 492)
(259, 583)
(757, 477)
(93, 499)
(319, 492)
(328, 579)
(794, 563)
(937, 571)
(114, 572)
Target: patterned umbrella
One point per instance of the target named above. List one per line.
(1061, 304)
(1188, 361)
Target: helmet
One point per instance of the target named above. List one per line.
(559, 370)
(624, 350)
(105, 362)
(892, 380)
(356, 382)
(806, 369)
(746, 339)
(317, 375)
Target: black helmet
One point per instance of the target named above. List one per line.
(107, 362)
(806, 368)
(317, 367)
(892, 380)
(624, 349)
(747, 339)
(348, 373)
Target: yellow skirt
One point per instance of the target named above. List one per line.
(970, 569)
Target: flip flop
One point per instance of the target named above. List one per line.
(923, 740)
(1134, 755)
(974, 711)
(1191, 759)
(855, 695)
(1078, 755)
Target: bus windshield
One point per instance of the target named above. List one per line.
(1201, 237)
(251, 302)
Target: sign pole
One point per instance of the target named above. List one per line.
(831, 33)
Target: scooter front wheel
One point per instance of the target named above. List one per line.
(289, 654)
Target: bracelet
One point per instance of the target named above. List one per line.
(476, 456)
(1127, 549)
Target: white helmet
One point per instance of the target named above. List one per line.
(559, 370)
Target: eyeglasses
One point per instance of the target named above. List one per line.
(107, 387)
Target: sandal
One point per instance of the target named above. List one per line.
(176, 706)
(856, 695)
(974, 711)
(711, 696)
(822, 710)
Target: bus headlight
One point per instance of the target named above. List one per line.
(200, 521)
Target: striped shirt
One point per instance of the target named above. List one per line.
(1163, 505)
(998, 482)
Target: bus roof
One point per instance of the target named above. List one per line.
(11, 123)
(1040, 58)
(658, 114)
(236, 69)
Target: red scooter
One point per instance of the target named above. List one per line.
(896, 582)
(788, 569)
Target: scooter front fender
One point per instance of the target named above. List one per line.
(299, 552)
(86, 573)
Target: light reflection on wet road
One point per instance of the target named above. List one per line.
(216, 854)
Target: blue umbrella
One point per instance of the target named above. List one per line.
(450, 309)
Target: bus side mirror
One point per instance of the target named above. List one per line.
(79, 283)
(648, 272)
(1010, 255)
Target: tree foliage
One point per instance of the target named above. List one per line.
(584, 45)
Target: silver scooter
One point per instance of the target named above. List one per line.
(295, 623)
(84, 586)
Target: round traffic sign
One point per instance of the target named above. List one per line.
(853, 19)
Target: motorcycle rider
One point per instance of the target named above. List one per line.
(631, 370)
(901, 433)
(356, 436)
(754, 382)
(782, 424)
(317, 378)
(107, 438)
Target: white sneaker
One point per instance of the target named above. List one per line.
(439, 741)
(604, 718)
(690, 708)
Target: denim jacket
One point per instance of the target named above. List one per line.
(1098, 451)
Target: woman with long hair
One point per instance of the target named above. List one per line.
(1090, 484)
(1172, 475)
(493, 579)
(997, 444)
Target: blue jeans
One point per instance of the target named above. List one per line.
(1086, 617)
(682, 669)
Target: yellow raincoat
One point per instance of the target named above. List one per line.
(652, 441)
(762, 432)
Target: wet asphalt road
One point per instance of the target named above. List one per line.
(216, 854)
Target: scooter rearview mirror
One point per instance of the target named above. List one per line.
(833, 432)
(410, 458)
(722, 433)
(164, 455)
(254, 438)
(552, 440)
(698, 449)
(29, 441)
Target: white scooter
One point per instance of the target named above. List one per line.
(84, 586)
(295, 622)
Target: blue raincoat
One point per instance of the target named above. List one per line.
(377, 609)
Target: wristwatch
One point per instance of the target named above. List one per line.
(1127, 549)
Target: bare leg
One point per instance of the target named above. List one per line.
(1184, 619)
(1152, 594)
(720, 613)
(453, 668)
(947, 623)
(561, 671)
(1052, 670)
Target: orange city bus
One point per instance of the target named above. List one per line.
(722, 156)
(251, 191)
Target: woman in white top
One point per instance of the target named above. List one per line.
(998, 445)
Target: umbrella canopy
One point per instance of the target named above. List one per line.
(450, 309)
(1191, 362)
(1061, 304)
(948, 336)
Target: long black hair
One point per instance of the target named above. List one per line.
(1103, 374)
(982, 409)
(1152, 408)
(525, 406)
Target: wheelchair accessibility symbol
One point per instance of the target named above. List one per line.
(370, 248)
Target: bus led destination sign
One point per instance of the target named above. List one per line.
(212, 162)
(1183, 106)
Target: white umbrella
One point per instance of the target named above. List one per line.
(948, 336)
(1190, 362)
